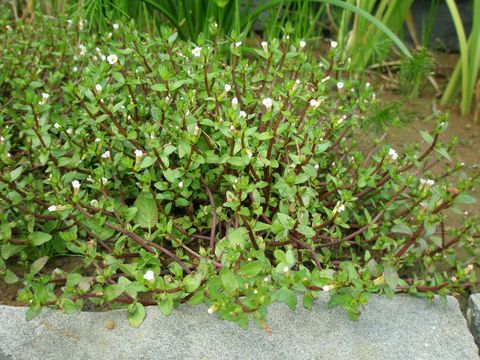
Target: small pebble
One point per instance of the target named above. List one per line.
(110, 324)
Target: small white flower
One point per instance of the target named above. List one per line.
(168, 100)
(243, 114)
(316, 166)
(94, 203)
(76, 185)
(341, 208)
(115, 27)
(2, 139)
(237, 44)
(367, 85)
(138, 153)
(255, 291)
(468, 269)
(313, 103)
(45, 97)
(109, 35)
(340, 85)
(56, 126)
(211, 309)
(98, 139)
(333, 44)
(393, 154)
(104, 180)
(325, 79)
(454, 278)
(69, 131)
(180, 184)
(103, 57)
(106, 154)
(112, 59)
(98, 88)
(249, 153)
(285, 269)
(266, 279)
(326, 288)
(302, 44)
(196, 131)
(197, 52)
(53, 208)
(83, 49)
(427, 182)
(227, 88)
(152, 136)
(232, 128)
(9, 155)
(149, 275)
(265, 46)
(267, 102)
(234, 102)
(75, 69)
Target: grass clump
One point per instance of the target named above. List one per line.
(211, 173)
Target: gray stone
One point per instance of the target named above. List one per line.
(402, 328)
(473, 316)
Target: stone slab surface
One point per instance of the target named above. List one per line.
(473, 316)
(402, 328)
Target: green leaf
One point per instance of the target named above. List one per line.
(229, 281)
(402, 229)
(250, 269)
(191, 283)
(427, 137)
(136, 314)
(38, 265)
(465, 199)
(38, 238)
(14, 174)
(147, 162)
(10, 277)
(147, 211)
(237, 237)
(166, 306)
(112, 292)
(196, 299)
(391, 277)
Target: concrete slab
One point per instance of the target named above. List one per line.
(473, 316)
(402, 328)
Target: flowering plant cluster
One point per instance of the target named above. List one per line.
(215, 173)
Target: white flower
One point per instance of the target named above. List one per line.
(367, 85)
(341, 208)
(2, 139)
(333, 44)
(152, 136)
(427, 182)
(234, 102)
(313, 103)
(9, 155)
(196, 131)
(98, 88)
(211, 309)
(302, 44)
(94, 202)
(267, 102)
(138, 153)
(468, 269)
(53, 208)
(109, 35)
(76, 185)
(265, 46)
(98, 139)
(316, 166)
(249, 153)
(237, 44)
(227, 88)
(106, 154)
(326, 288)
(56, 126)
(83, 49)
(112, 59)
(266, 279)
(197, 52)
(69, 131)
(325, 79)
(243, 114)
(232, 128)
(340, 85)
(168, 100)
(149, 275)
(255, 291)
(180, 184)
(393, 154)
(115, 27)
(45, 97)
(103, 57)
(75, 69)
(285, 269)
(104, 180)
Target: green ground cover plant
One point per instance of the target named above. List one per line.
(195, 173)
